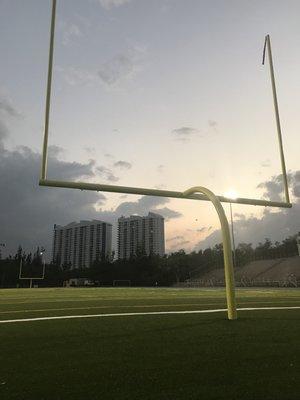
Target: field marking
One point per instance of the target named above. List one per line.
(137, 306)
(283, 299)
(8, 321)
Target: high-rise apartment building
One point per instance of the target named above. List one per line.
(79, 244)
(141, 235)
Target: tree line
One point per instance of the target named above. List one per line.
(140, 270)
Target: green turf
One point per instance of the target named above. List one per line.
(191, 356)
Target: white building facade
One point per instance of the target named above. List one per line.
(141, 235)
(80, 244)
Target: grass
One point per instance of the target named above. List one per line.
(183, 356)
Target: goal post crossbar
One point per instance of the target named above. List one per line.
(33, 278)
(157, 192)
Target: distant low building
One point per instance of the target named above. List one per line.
(141, 235)
(78, 245)
(75, 282)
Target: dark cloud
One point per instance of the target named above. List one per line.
(107, 174)
(27, 211)
(122, 164)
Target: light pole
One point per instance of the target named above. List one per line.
(1, 245)
(232, 194)
(43, 260)
(298, 243)
(232, 235)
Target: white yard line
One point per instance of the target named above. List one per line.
(35, 310)
(8, 321)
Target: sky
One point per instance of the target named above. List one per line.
(161, 94)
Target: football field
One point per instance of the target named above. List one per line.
(139, 343)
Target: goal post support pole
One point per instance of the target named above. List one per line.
(227, 250)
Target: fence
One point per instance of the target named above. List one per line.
(290, 281)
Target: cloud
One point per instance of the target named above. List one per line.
(75, 76)
(175, 238)
(184, 133)
(296, 184)
(70, 31)
(122, 164)
(201, 230)
(28, 212)
(122, 66)
(275, 225)
(90, 150)
(146, 204)
(3, 132)
(7, 108)
(273, 189)
(204, 229)
(108, 4)
(107, 174)
(55, 151)
(180, 244)
(266, 163)
(160, 168)
(167, 213)
(213, 124)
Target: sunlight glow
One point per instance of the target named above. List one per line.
(231, 194)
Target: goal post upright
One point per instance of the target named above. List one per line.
(277, 118)
(48, 95)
